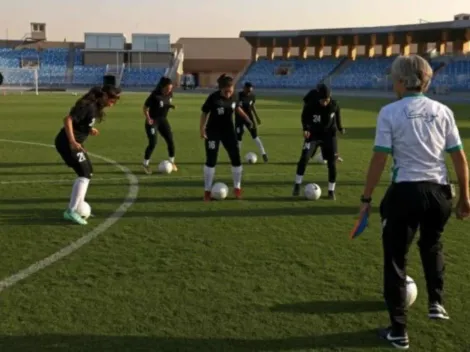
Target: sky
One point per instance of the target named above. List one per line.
(70, 19)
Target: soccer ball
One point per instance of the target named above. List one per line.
(318, 159)
(312, 191)
(165, 167)
(251, 158)
(84, 210)
(411, 291)
(219, 191)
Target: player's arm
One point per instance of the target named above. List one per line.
(68, 127)
(306, 119)
(240, 112)
(382, 148)
(146, 110)
(455, 148)
(205, 112)
(253, 108)
(339, 124)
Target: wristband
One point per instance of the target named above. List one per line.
(366, 200)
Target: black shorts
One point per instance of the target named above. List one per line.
(240, 124)
(78, 161)
(327, 145)
(229, 142)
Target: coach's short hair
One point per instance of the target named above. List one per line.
(413, 71)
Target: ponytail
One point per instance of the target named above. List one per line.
(162, 83)
(99, 97)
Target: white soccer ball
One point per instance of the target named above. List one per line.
(411, 291)
(219, 191)
(312, 191)
(84, 210)
(251, 158)
(318, 159)
(165, 167)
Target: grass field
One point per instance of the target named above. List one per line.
(267, 273)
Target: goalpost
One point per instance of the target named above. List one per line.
(19, 80)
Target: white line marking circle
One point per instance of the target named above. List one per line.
(110, 221)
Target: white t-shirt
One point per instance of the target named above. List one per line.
(417, 131)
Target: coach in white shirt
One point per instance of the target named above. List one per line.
(417, 132)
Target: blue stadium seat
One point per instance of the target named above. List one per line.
(52, 65)
(18, 78)
(455, 75)
(88, 75)
(78, 57)
(364, 73)
(302, 73)
(141, 77)
(11, 58)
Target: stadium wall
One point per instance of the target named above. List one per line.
(208, 58)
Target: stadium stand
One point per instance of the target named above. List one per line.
(455, 74)
(363, 73)
(53, 69)
(144, 77)
(293, 73)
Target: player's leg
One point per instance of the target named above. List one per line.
(400, 213)
(309, 147)
(151, 133)
(81, 164)
(212, 150)
(328, 154)
(259, 143)
(439, 199)
(165, 131)
(239, 130)
(229, 142)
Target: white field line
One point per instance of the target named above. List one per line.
(74, 246)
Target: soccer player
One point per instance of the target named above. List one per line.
(78, 125)
(247, 100)
(311, 96)
(156, 111)
(216, 126)
(320, 120)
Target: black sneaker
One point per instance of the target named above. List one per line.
(397, 341)
(331, 195)
(265, 158)
(436, 311)
(296, 190)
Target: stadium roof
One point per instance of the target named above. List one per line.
(424, 31)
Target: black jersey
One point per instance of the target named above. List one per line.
(321, 121)
(220, 110)
(158, 106)
(246, 102)
(83, 119)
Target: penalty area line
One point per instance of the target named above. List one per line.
(98, 230)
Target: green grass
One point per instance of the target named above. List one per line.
(268, 273)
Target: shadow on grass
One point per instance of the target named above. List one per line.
(91, 343)
(25, 216)
(330, 307)
(288, 182)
